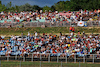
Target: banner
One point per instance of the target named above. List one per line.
(85, 24)
(80, 23)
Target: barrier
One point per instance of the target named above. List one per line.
(76, 58)
(48, 24)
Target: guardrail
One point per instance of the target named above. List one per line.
(54, 57)
(48, 24)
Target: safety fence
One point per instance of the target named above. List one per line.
(50, 60)
(94, 58)
(49, 24)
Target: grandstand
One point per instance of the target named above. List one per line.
(33, 36)
(50, 19)
(75, 48)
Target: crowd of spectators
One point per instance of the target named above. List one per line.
(45, 44)
(40, 16)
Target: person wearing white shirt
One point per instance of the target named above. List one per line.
(35, 34)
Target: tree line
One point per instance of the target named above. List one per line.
(72, 5)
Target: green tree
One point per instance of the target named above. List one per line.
(60, 6)
(36, 7)
(2, 7)
(53, 8)
(46, 8)
(67, 5)
(9, 5)
(17, 8)
(26, 7)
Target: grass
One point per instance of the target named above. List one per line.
(17, 31)
(45, 64)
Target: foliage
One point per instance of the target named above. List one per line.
(46, 8)
(73, 5)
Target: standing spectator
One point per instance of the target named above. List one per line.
(73, 29)
(70, 29)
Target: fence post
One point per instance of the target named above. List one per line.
(11, 24)
(66, 58)
(20, 63)
(61, 63)
(79, 64)
(91, 23)
(5, 25)
(75, 58)
(49, 58)
(63, 23)
(8, 58)
(43, 23)
(31, 24)
(40, 59)
(57, 58)
(40, 63)
(50, 24)
(23, 59)
(16, 57)
(40, 56)
(99, 23)
(56, 23)
(70, 24)
(84, 59)
(37, 23)
(93, 58)
(24, 24)
(32, 57)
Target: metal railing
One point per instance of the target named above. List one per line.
(48, 24)
(94, 58)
